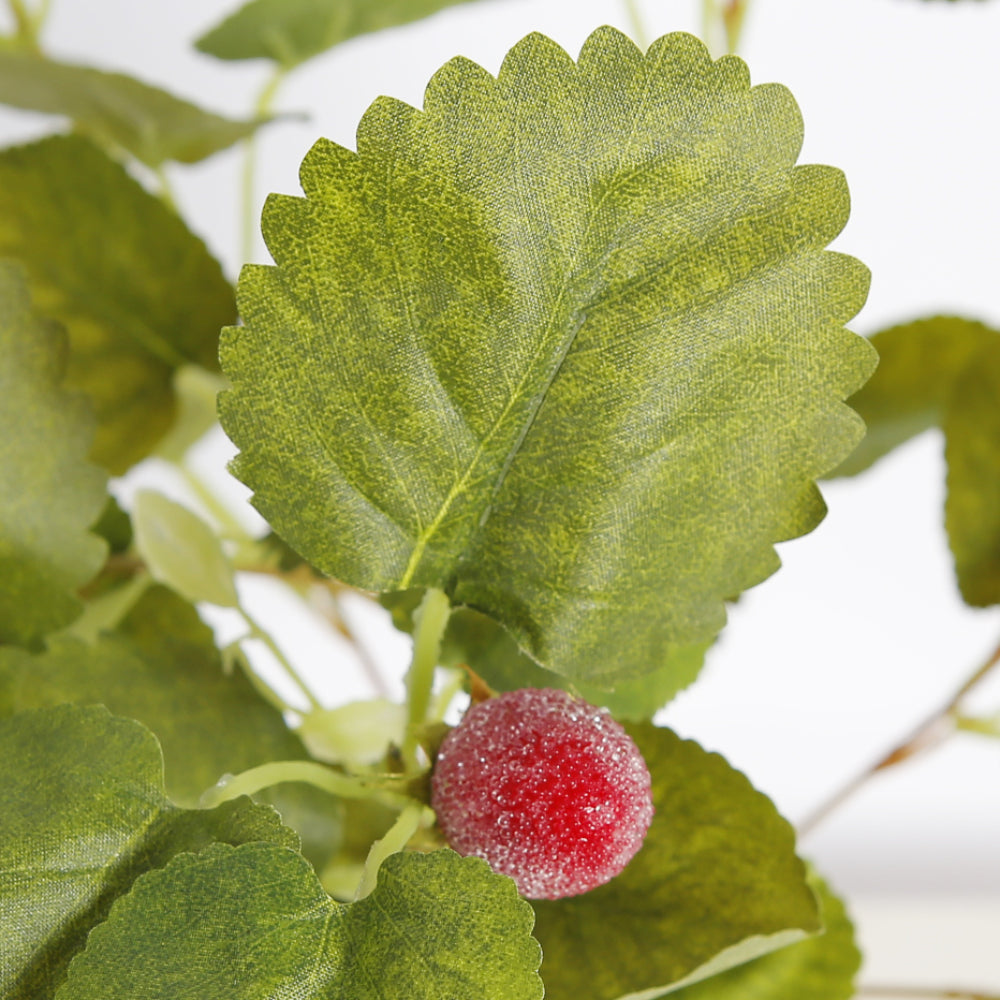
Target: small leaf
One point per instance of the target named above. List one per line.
(182, 551)
(918, 365)
(716, 884)
(822, 967)
(972, 451)
(254, 922)
(82, 816)
(117, 110)
(473, 640)
(291, 31)
(162, 668)
(565, 344)
(50, 495)
(139, 294)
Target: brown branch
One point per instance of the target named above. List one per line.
(930, 733)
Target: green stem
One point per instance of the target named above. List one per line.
(344, 786)
(167, 194)
(447, 695)
(231, 528)
(258, 632)
(26, 27)
(431, 618)
(733, 17)
(638, 27)
(709, 16)
(262, 109)
(397, 837)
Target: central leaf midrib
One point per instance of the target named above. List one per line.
(567, 346)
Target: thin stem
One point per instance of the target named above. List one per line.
(167, 193)
(931, 732)
(328, 605)
(215, 507)
(709, 13)
(430, 618)
(733, 16)
(257, 632)
(637, 26)
(344, 786)
(931, 993)
(25, 24)
(397, 837)
(262, 109)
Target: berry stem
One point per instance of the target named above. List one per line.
(345, 786)
(931, 732)
(430, 619)
(397, 837)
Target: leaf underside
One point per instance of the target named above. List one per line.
(50, 494)
(117, 110)
(566, 343)
(82, 816)
(138, 293)
(822, 967)
(291, 31)
(435, 926)
(716, 883)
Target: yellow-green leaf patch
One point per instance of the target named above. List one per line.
(565, 343)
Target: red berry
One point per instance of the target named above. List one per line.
(545, 787)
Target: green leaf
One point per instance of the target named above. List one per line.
(820, 968)
(138, 293)
(972, 451)
(82, 816)
(50, 495)
(254, 922)
(291, 31)
(182, 551)
(163, 669)
(565, 344)
(716, 884)
(473, 640)
(918, 365)
(117, 110)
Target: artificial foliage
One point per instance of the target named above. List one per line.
(545, 367)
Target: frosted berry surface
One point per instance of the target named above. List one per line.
(547, 788)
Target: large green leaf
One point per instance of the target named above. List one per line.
(822, 967)
(918, 365)
(163, 669)
(292, 31)
(716, 884)
(117, 110)
(972, 451)
(566, 343)
(137, 291)
(50, 494)
(253, 922)
(82, 816)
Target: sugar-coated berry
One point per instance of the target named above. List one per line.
(547, 788)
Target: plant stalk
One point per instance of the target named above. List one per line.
(397, 837)
(636, 24)
(258, 632)
(262, 108)
(431, 618)
(345, 786)
(931, 732)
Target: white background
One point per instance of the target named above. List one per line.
(861, 633)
